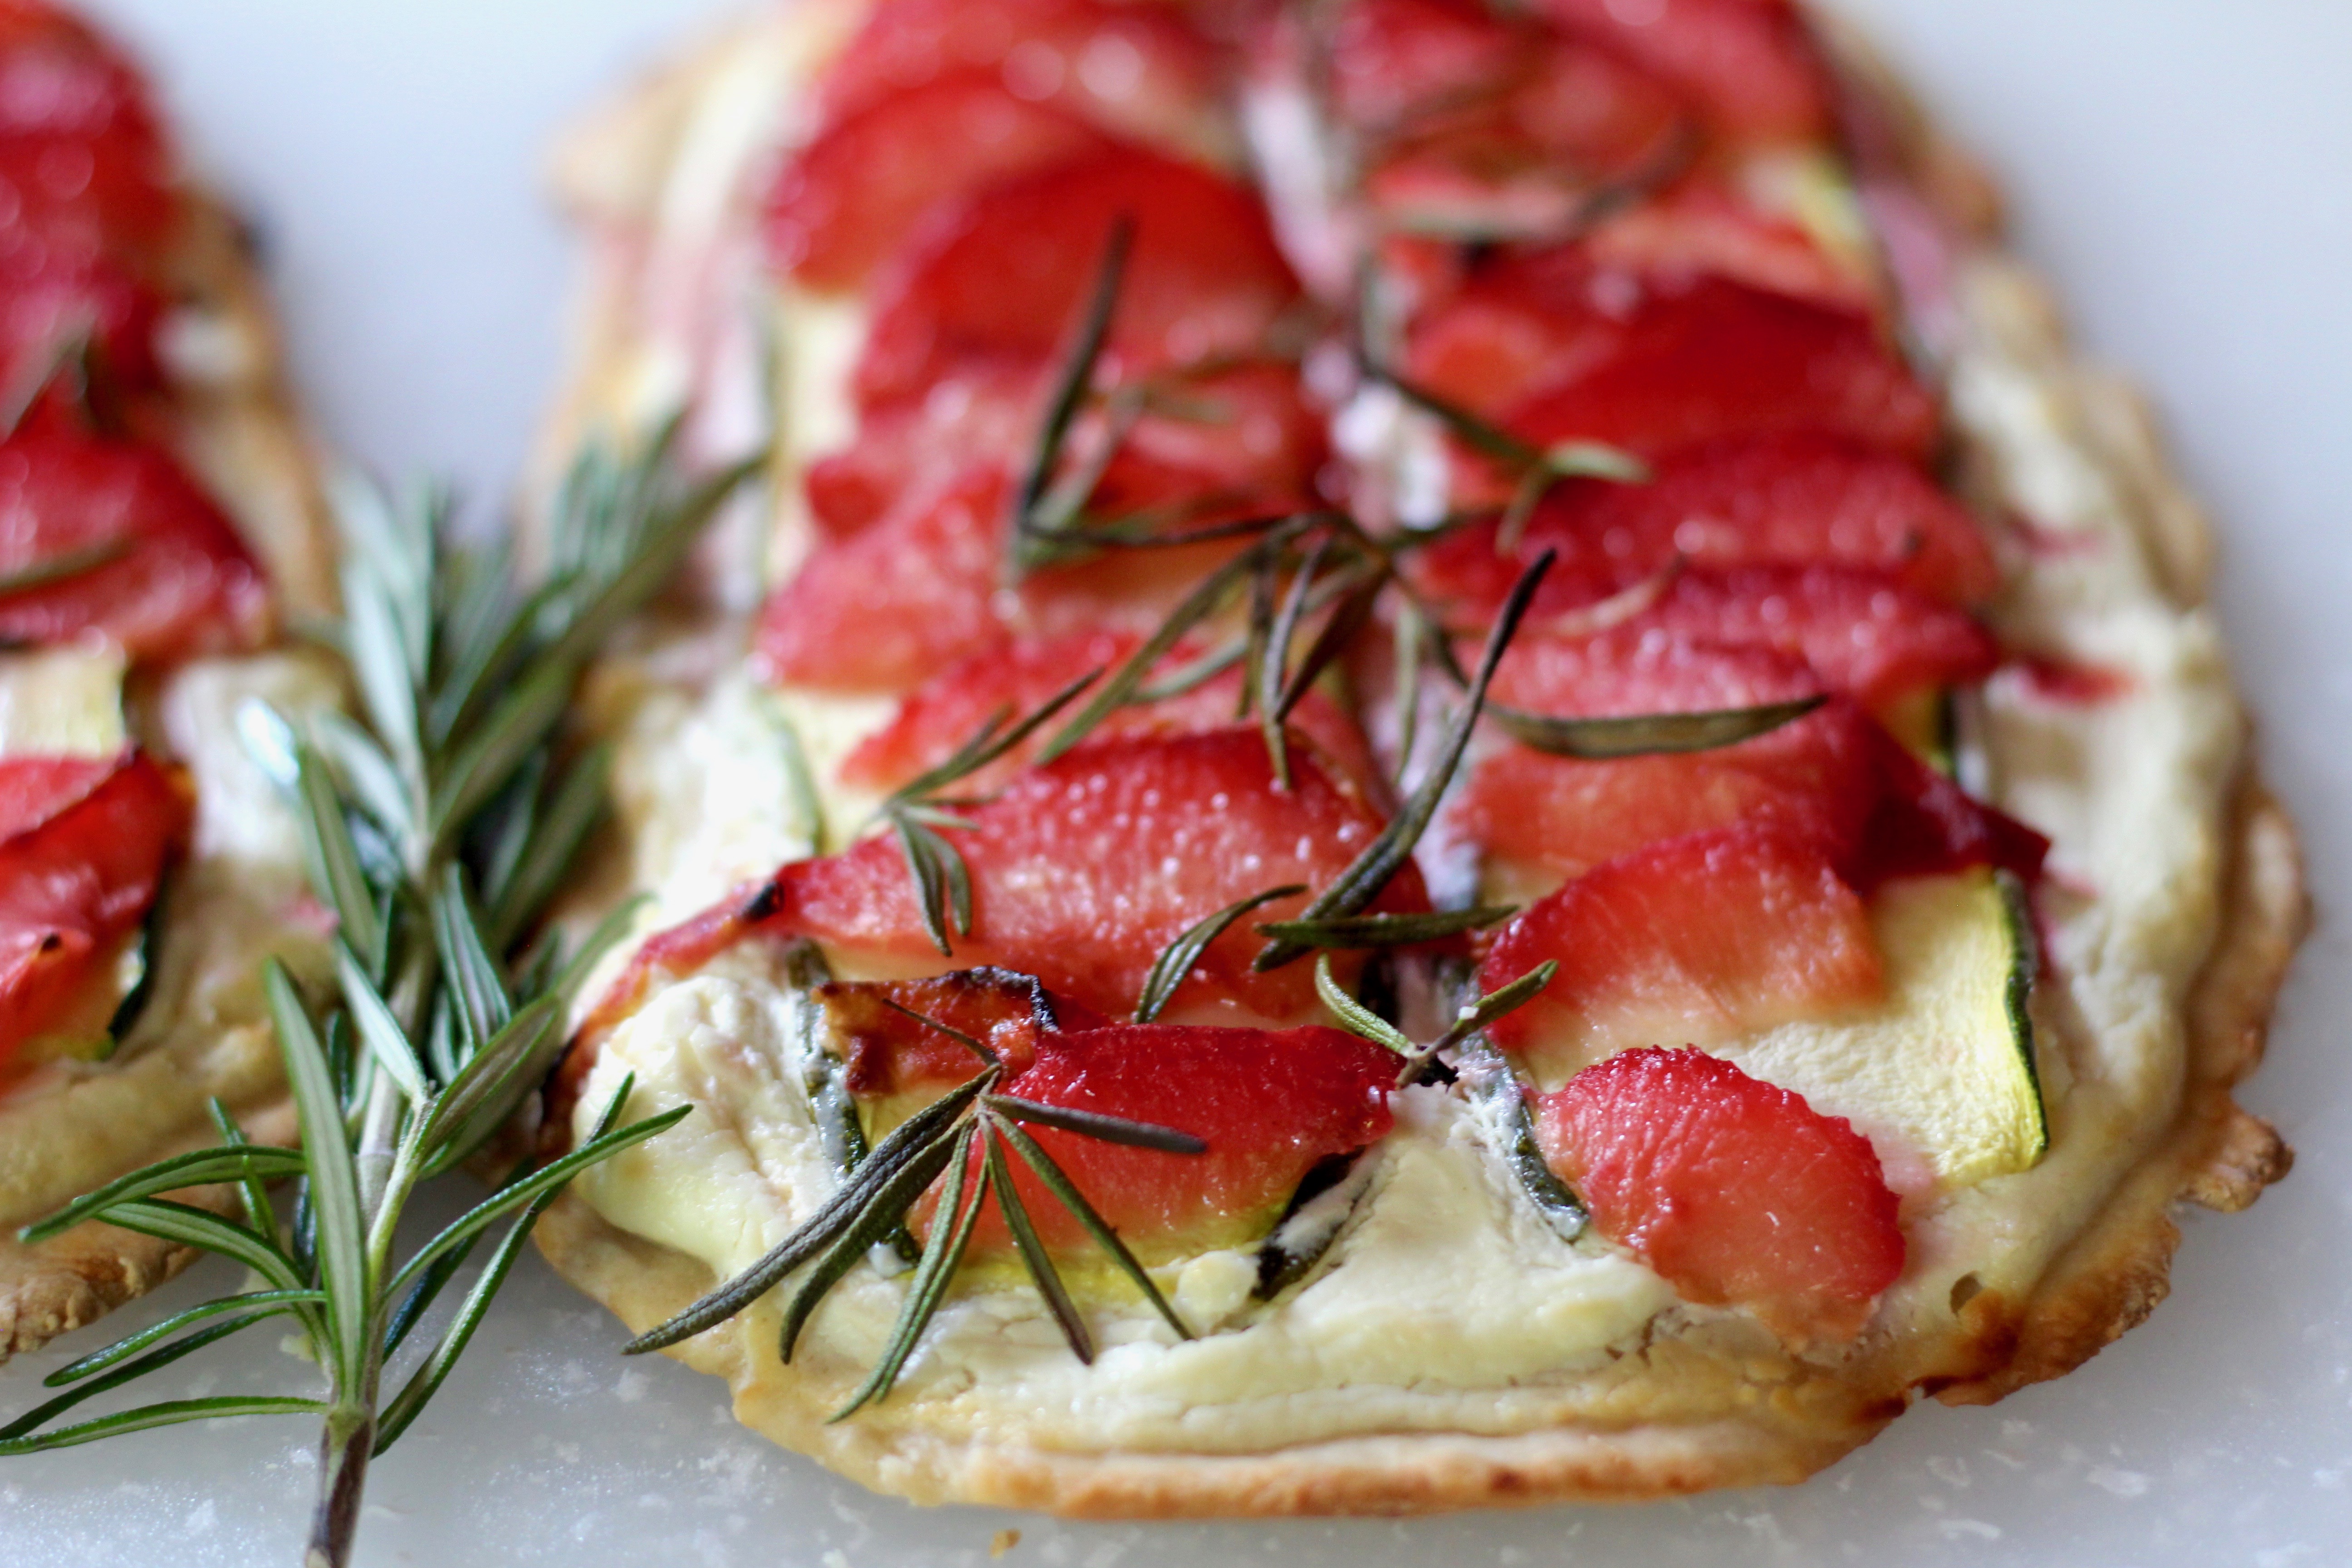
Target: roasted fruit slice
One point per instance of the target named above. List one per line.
(1083, 871)
(1020, 676)
(1737, 1192)
(1556, 355)
(878, 1029)
(881, 609)
(1695, 940)
(1717, 361)
(1790, 500)
(1542, 818)
(1749, 64)
(84, 163)
(85, 200)
(1476, 125)
(1140, 69)
(1003, 276)
(924, 588)
(84, 852)
(1862, 633)
(1634, 669)
(1390, 60)
(1816, 778)
(1232, 440)
(1270, 1104)
(1704, 227)
(845, 202)
(983, 417)
(1834, 777)
(108, 537)
(57, 305)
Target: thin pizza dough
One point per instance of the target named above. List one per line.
(1449, 1347)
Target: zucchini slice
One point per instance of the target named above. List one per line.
(1945, 1065)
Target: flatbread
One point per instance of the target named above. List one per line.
(1694, 1401)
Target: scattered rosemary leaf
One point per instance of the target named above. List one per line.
(867, 1228)
(1371, 870)
(1202, 602)
(906, 1141)
(1066, 1192)
(1499, 1003)
(1032, 1248)
(1353, 1016)
(1480, 433)
(63, 566)
(1095, 1124)
(934, 1271)
(1174, 965)
(1070, 390)
(1600, 740)
(1348, 618)
(1346, 932)
(1567, 460)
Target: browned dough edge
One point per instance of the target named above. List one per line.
(75, 1279)
(2106, 1282)
(244, 437)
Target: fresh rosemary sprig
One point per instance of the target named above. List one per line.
(1044, 509)
(973, 1126)
(1175, 962)
(436, 835)
(1385, 856)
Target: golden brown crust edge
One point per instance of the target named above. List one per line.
(241, 433)
(74, 1279)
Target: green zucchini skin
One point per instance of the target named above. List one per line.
(1487, 1078)
(1319, 1210)
(2024, 969)
(127, 1011)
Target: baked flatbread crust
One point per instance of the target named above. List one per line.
(239, 432)
(1699, 1401)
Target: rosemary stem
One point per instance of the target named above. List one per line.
(343, 1450)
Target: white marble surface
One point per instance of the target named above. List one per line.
(2179, 166)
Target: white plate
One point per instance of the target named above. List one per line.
(2178, 164)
